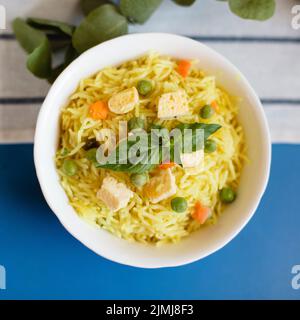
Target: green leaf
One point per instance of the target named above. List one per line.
(209, 128)
(88, 6)
(184, 2)
(37, 45)
(58, 43)
(253, 9)
(129, 167)
(55, 72)
(151, 152)
(141, 167)
(28, 37)
(70, 55)
(51, 25)
(137, 10)
(101, 24)
(39, 61)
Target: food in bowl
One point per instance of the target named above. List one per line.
(147, 201)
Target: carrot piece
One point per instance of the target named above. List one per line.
(99, 110)
(184, 68)
(201, 213)
(215, 105)
(167, 165)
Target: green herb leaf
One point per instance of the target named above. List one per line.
(140, 167)
(184, 2)
(51, 25)
(154, 152)
(194, 142)
(88, 6)
(37, 45)
(209, 128)
(101, 24)
(253, 9)
(129, 168)
(137, 10)
(70, 55)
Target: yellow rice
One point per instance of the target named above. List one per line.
(141, 220)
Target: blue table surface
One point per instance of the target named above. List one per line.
(43, 261)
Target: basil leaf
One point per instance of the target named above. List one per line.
(142, 166)
(88, 6)
(253, 9)
(37, 45)
(154, 152)
(129, 167)
(184, 2)
(137, 10)
(209, 128)
(51, 25)
(101, 24)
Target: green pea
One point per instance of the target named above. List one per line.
(207, 112)
(144, 87)
(210, 146)
(139, 179)
(70, 167)
(227, 195)
(179, 204)
(91, 154)
(136, 123)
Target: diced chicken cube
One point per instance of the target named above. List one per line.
(161, 186)
(124, 101)
(172, 105)
(114, 194)
(193, 159)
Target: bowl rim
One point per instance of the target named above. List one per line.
(51, 202)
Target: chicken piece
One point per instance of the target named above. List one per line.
(161, 186)
(124, 101)
(114, 194)
(172, 105)
(193, 159)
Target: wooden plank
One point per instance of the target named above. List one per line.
(271, 68)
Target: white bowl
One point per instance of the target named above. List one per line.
(254, 177)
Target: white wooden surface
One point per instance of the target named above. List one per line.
(266, 52)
